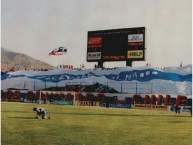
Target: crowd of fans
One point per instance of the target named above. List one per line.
(82, 67)
(13, 69)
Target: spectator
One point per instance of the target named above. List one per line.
(181, 64)
(177, 109)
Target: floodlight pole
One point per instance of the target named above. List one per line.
(40, 97)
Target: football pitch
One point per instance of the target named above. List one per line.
(77, 125)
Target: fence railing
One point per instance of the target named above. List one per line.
(121, 87)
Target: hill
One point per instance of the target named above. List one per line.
(11, 59)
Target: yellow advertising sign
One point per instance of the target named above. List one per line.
(135, 54)
(14, 100)
(150, 107)
(86, 103)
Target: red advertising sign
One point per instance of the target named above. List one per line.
(94, 40)
(114, 57)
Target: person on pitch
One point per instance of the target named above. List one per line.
(177, 109)
(41, 112)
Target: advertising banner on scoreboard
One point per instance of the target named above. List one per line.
(114, 57)
(94, 40)
(134, 54)
(94, 55)
(135, 38)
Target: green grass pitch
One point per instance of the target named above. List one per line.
(77, 125)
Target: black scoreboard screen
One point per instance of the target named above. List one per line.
(116, 45)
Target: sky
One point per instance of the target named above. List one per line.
(36, 27)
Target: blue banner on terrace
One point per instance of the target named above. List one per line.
(62, 102)
(116, 105)
(138, 75)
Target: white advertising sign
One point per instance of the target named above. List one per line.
(94, 55)
(135, 38)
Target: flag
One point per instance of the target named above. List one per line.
(58, 51)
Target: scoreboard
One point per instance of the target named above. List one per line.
(126, 44)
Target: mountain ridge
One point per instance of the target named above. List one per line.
(10, 59)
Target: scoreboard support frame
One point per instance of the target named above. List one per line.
(100, 63)
(129, 63)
